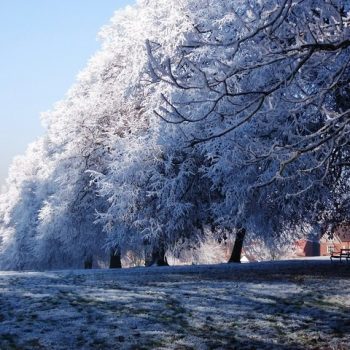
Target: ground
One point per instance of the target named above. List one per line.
(276, 305)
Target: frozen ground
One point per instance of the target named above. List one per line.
(280, 305)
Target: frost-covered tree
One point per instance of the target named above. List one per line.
(260, 90)
(142, 182)
(27, 189)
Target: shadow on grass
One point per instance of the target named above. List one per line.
(220, 307)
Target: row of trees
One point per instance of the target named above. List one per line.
(197, 118)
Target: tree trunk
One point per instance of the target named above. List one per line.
(237, 247)
(115, 261)
(157, 257)
(88, 262)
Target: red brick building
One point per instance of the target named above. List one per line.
(340, 239)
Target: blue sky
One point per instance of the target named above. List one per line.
(44, 44)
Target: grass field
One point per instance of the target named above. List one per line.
(275, 305)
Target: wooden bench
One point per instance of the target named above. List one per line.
(343, 254)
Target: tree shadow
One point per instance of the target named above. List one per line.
(185, 308)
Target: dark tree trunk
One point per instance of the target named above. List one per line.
(88, 263)
(157, 257)
(115, 261)
(237, 247)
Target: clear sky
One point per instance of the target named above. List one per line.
(43, 45)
